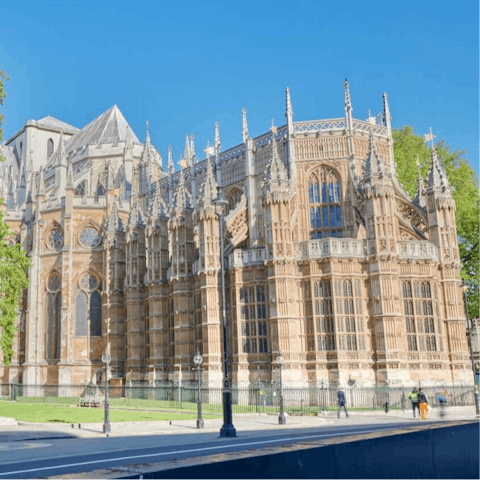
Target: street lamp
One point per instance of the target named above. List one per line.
(227, 430)
(475, 386)
(106, 360)
(281, 418)
(197, 360)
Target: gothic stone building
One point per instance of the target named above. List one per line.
(327, 259)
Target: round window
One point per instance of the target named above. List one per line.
(89, 237)
(55, 239)
(89, 282)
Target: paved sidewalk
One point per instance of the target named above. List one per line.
(243, 423)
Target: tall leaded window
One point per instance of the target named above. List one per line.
(253, 315)
(421, 329)
(350, 328)
(80, 189)
(323, 328)
(88, 307)
(53, 318)
(325, 205)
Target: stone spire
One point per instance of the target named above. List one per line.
(217, 137)
(374, 163)
(288, 109)
(135, 217)
(128, 151)
(181, 196)
(69, 184)
(193, 155)
(170, 166)
(348, 101)
(420, 195)
(386, 114)
(244, 125)
(436, 176)
(276, 178)
(210, 187)
(113, 223)
(32, 191)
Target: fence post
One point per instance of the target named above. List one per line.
(13, 392)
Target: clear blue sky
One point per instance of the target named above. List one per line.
(183, 65)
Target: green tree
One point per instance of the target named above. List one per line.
(13, 270)
(407, 148)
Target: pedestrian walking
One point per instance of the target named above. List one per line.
(413, 396)
(442, 402)
(423, 401)
(342, 402)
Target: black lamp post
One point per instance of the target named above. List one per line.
(106, 424)
(197, 359)
(475, 386)
(281, 418)
(227, 430)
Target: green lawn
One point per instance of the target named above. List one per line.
(46, 413)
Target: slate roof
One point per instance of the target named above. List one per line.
(109, 128)
(54, 122)
(10, 160)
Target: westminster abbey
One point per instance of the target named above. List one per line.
(327, 259)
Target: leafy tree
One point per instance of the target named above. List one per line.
(407, 148)
(13, 271)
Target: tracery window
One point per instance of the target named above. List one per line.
(89, 237)
(88, 308)
(253, 315)
(80, 189)
(421, 329)
(50, 148)
(53, 318)
(325, 205)
(55, 238)
(323, 328)
(350, 327)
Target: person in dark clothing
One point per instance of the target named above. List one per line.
(342, 402)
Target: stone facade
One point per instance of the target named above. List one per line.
(329, 260)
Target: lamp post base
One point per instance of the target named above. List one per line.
(106, 428)
(282, 420)
(200, 423)
(228, 430)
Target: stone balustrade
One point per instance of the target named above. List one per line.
(423, 250)
(244, 258)
(331, 247)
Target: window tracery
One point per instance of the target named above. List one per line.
(325, 204)
(53, 318)
(55, 238)
(421, 331)
(88, 308)
(253, 314)
(350, 325)
(89, 237)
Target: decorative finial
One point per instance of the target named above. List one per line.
(217, 136)
(245, 125)
(348, 103)
(170, 160)
(386, 112)
(429, 137)
(192, 148)
(288, 111)
(273, 128)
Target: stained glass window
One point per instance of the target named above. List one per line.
(89, 282)
(55, 239)
(326, 217)
(58, 324)
(95, 314)
(81, 314)
(54, 283)
(89, 237)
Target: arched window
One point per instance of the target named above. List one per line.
(325, 205)
(88, 308)
(50, 147)
(100, 190)
(80, 189)
(53, 318)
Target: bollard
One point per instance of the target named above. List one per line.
(387, 407)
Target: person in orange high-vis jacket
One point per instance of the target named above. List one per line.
(423, 400)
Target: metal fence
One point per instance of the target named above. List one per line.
(299, 401)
